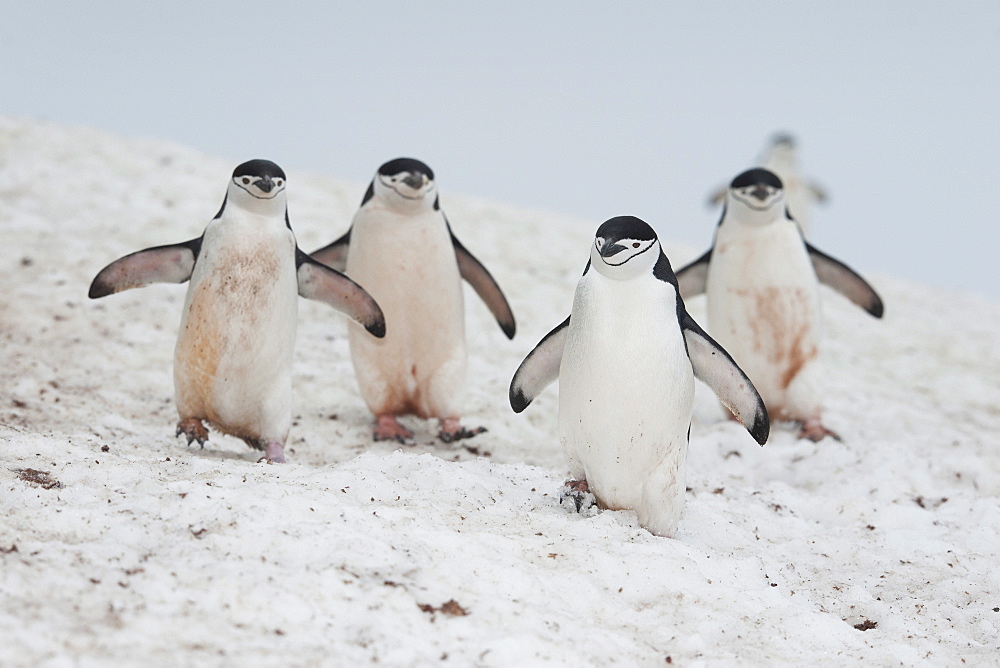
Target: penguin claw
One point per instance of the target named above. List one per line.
(461, 433)
(193, 430)
(402, 440)
(452, 431)
(814, 430)
(579, 493)
(387, 428)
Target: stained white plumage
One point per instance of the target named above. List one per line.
(626, 359)
(401, 248)
(761, 280)
(232, 361)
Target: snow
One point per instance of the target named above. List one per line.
(151, 551)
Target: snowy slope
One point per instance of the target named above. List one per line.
(150, 551)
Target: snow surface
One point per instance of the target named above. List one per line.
(151, 551)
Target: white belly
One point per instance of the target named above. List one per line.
(232, 363)
(408, 264)
(763, 307)
(626, 392)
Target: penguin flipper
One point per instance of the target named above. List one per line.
(539, 369)
(717, 196)
(161, 264)
(713, 366)
(334, 255)
(846, 281)
(321, 283)
(473, 271)
(818, 192)
(691, 279)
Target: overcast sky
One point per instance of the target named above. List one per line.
(584, 108)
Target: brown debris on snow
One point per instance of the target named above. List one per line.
(41, 478)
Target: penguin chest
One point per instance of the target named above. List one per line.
(238, 330)
(626, 387)
(763, 303)
(408, 264)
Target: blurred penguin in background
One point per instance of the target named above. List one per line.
(780, 156)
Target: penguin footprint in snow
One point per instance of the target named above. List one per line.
(577, 493)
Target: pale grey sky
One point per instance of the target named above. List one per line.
(584, 108)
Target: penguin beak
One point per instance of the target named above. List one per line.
(265, 184)
(610, 248)
(415, 180)
(760, 192)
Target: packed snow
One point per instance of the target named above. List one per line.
(119, 544)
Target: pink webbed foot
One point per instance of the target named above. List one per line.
(193, 430)
(578, 491)
(814, 430)
(451, 430)
(387, 428)
(274, 453)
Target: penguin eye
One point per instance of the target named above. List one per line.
(246, 180)
(278, 182)
(635, 245)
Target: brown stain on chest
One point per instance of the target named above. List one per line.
(227, 307)
(780, 326)
(199, 353)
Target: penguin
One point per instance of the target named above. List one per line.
(626, 359)
(401, 247)
(232, 361)
(761, 281)
(780, 156)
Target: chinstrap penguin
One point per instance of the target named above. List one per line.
(780, 156)
(626, 359)
(401, 248)
(761, 281)
(232, 362)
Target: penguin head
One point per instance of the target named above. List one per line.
(624, 247)
(779, 155)
(259, 187)
(783, 140)
(756, 196)
(405, 184)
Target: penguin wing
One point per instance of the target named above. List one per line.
(320, 282)
(473, 271)
(717, 196)
(160, 264)
(692, 278)
(713, 366)
(818, 192)
(334, 255)
(846, 281)
(539, 369)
